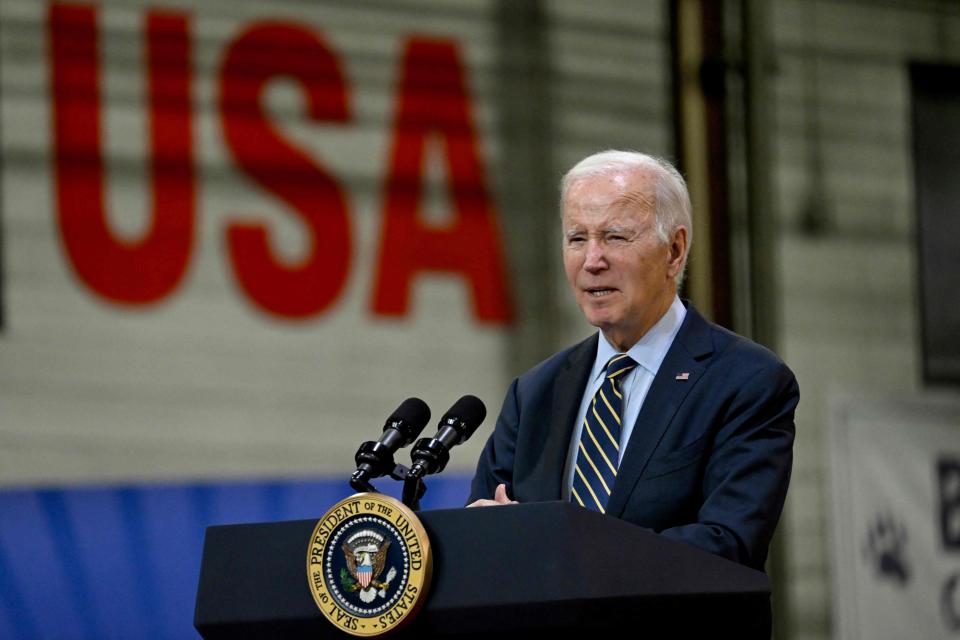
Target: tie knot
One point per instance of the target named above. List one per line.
(619, 365)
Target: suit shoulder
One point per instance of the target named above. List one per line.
(749, 371)
(745, 352)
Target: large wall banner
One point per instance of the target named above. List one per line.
(895, 487)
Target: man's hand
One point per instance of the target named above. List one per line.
(499, 497)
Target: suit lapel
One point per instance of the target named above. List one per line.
(568, 389)
(687, 355)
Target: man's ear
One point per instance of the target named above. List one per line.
(676, 250)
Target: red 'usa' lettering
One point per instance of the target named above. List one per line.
(432, 100)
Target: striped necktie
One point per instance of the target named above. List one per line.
(599, 450)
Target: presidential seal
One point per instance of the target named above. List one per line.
(369, 564)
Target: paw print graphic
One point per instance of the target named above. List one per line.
(885, 549)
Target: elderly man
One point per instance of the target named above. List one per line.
(660, 418)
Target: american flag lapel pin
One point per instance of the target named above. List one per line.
(683, 376)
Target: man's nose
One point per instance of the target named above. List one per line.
(595, 259)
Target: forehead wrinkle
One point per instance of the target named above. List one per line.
(622, 197)
(640, 199)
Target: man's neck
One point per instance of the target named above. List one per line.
(624, 341)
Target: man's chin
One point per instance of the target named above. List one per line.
(602, 321)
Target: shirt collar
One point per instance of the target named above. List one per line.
(652, 348)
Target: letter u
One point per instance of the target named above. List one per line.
(146, 270)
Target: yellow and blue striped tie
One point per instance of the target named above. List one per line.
(599, 449)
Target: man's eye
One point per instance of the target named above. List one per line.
(575, 240)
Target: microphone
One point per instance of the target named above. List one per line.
(430, 455)
(375, 459)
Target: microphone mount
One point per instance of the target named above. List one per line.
(374, 458)
(361, 484)
(431, 455)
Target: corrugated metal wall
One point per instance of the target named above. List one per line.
(203, 382)
(844, 194)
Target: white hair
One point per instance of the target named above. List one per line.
(672, 209)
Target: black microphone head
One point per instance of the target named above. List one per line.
(469, 411)
(409, 419)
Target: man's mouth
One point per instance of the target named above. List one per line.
(599, 292)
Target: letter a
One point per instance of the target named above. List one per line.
(433, 100)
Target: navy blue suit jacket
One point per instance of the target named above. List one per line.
(709, 459)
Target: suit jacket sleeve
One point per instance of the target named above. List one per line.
(495, 465)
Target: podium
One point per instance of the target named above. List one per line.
(510, 571)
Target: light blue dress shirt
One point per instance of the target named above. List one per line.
(649, 352)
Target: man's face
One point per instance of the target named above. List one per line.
(620, 271)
